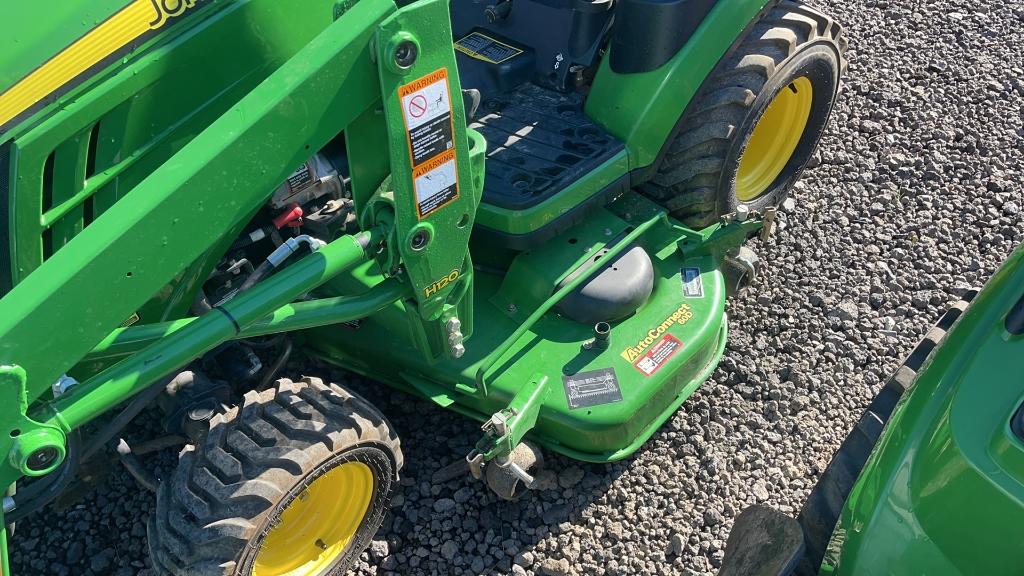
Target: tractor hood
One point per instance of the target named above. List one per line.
(51, 46)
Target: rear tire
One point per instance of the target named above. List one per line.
(218, 513)
(793, 45)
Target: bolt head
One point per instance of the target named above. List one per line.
(406, 53)
(458, 350)
(420, 240)
(42, 458)
(453, 325)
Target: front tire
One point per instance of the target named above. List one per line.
(755, 122)
(294, 481)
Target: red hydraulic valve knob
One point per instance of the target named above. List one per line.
(286, 218)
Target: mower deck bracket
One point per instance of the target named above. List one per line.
(720, 238)
(505, 429)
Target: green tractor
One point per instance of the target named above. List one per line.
(191, 189)
(931, 478)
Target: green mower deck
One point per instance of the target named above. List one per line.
(591, 402)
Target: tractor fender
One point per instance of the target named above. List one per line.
(642, 106)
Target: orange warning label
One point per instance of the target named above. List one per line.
(427, 112)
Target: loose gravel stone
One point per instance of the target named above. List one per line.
(677, 544)
(444, 506)
(570, 476)
(553, 567)
(378, 550)
(915, 196)
(449, 549)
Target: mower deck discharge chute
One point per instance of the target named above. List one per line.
(529, 213)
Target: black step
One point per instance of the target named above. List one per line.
(539, 142)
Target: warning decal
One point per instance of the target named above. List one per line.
(592, 388)
(693, 286)
(427, 111)
(483, 47)
(300, 179)
(658, 355)
(436, 183)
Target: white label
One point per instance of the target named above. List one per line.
(426, 104)
(693, 285)
(426, 109)
(437, 186)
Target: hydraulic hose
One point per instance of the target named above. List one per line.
(132, 465)
(266, 344)
(277, 257)
(276, 367)
(116, 424)
(261, 271)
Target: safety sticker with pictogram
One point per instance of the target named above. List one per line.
(436, 183)
(427, 111)
(658, 355)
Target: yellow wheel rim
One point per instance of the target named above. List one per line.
(318, 525)
(774, 139)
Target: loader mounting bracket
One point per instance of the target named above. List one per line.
(31, 448)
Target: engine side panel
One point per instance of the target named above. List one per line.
(72, 161)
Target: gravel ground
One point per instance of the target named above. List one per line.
(917, 195)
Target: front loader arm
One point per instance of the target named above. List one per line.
(61, 311)
(352, 79)
(416, 202)
(212, 186)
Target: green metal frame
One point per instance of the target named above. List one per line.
(138, 245)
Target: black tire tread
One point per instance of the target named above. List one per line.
(824, 505)
(225, 486)
(695, 158)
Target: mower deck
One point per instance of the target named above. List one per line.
(598, 405)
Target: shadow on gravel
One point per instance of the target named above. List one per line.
(453, 527)
(459, 526)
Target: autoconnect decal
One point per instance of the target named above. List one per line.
(681, 316)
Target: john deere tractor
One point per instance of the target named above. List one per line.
(930, 480)
(527, 211)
